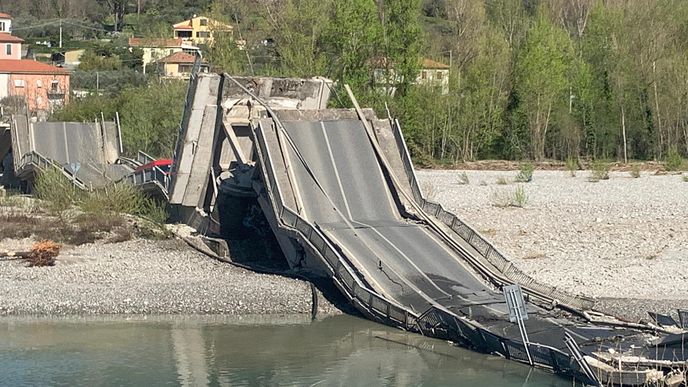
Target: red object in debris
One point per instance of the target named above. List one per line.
(163, 164)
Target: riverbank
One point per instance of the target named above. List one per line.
(139, 277)
(623, 241)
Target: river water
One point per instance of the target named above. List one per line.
(242, 351)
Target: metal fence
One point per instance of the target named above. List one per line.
(36, 161)
(478, 242)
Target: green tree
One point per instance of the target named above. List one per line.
(402, 39)
(350, 42)
(542, 68)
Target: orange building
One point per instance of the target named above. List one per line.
(43, 87)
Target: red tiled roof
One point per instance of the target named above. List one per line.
(25, 66)
(5, 15)
(142, 42)
(9, 38)
(178, 57)
(431, 64)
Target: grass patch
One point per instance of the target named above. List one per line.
(502, 181)
(599, 171)
(525, 173)
(674, 161)
(635, 171)
(572, 166)
(685, 178)
(517, 198)
(463, 179)
(429, 190)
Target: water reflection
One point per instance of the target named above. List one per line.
(340, 351)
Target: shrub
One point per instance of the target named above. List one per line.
(502, 181)
(635, 171)
(685, 178)
(525, 173)
(520, 197)
(599, 171)
(504, 198)
(572, 166)
(673, 161)
(463, 178)
(56, 190)
(429, 190)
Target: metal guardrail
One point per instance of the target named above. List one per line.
(375, 305)
(153, 175)
(42, 163)
(443, 325)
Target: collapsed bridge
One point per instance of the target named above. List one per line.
(339, 192)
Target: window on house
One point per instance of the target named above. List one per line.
(204, 22)
(423, 74)
(438, 75)
(8, 49)
(2, 26)
(19, 83)
(202, 34)
(39, 83)
(54, 86)
(183, 68)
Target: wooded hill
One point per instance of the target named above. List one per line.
(529, 79)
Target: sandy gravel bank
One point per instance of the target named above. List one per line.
(617, 238)
(146, 277)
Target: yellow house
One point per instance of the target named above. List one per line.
(155, 49)
(200, 30)
(180, 65)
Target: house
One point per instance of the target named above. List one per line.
(10, 46)
(200, 30)
(433, 73)
(5, 23)
(43, 87)
(430, 73)
(68, 59)
(180, 65)
(155, 49)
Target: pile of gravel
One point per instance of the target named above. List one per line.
(617, 238)
(146, 277)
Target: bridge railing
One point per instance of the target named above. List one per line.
(153, 175)
(477, 241)
(315, 239)
(42, 163)
(441, 324)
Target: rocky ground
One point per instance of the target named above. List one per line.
(145, 277)
(622, 240)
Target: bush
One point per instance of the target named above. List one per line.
(685, 178)
(517, 198)
(572, 166)
(599, 171)
(56, 190)
(525, 174)
(463, 179)
(635, 171)
(502, 181)
(673, 161)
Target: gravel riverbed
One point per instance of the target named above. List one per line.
(622, 238)
(146, 277)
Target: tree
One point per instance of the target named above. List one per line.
(541, 79)
(297, 29)
(402, 39)
(350, 42)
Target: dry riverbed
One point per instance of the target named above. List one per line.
(622, 240)
(107, 267)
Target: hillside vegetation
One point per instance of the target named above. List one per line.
(530, 79)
